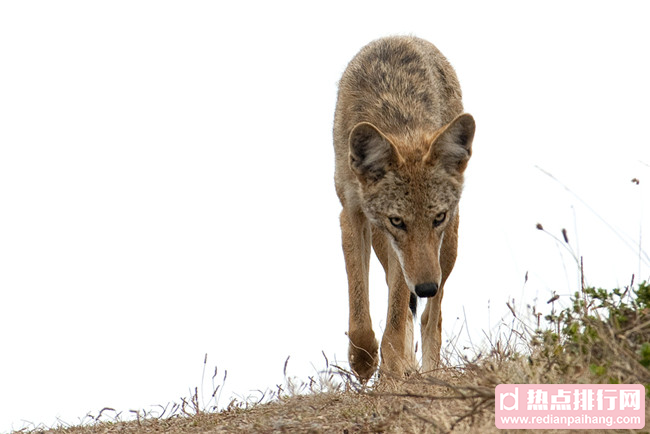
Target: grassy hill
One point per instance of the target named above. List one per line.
(603, 337)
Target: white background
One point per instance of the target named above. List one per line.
(166, 184)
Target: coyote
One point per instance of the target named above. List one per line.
(402, 144)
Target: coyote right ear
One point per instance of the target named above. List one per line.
(371, 154)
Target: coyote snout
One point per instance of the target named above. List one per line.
(402, 144)
(426, 289)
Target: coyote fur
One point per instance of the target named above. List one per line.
(402, 144)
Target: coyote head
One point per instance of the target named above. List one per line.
(410, 189)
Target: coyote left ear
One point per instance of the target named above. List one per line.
(453, 145)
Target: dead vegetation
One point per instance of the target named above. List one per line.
(603, 337)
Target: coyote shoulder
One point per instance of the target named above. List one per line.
(402, 144)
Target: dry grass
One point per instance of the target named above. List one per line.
(448, 400)
(451, 399)
(433, 403)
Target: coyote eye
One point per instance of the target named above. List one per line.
(397, 222)
(439, 218)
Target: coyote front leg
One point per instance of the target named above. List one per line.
(397, 354)
(432, 332)
(362, 352)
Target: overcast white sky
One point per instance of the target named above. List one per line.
(166, 183)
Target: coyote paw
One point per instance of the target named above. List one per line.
(363, 354)
(397, 369)
(395, 364)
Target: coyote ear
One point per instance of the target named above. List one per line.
(453, 145)
(371, 154)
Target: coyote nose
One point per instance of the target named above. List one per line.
(426, 289)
